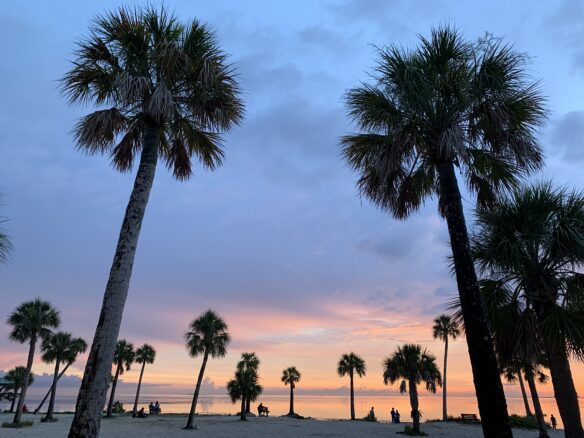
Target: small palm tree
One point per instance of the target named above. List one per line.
(291, 376)
(449, 106)
(144, 355)
(252, 362)
(243, 387)
(351, 364)
(124, 357)
(412, 366)
(78, 346)
(165, 90)
(208, 336)
(60, 347)
(512, 374)
(5, 244)
(445, 327)
(16, 378)
(31, 321)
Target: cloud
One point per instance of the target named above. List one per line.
(567, 136)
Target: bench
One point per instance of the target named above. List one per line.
(470, 418)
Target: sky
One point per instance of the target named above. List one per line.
(277, 240)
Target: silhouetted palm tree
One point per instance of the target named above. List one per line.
(5, 245)
(291, 376)
(145, 354)
(123, 359)
(512, 374)
(16, 378)
(533, 241)
(252, 362)
(31, 321)
(412, 366)
(79, 346)
(445, 327)
(242, 386)
(208, 336)
(351, 364)
(166, 90)
(448, 106)
(60, 347)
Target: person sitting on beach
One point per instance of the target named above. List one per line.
(24, 408)
(157, 409)
(142, 414)
(392, 415)
(151, 408)
(263, 410)
(397, 416)
(553, 421)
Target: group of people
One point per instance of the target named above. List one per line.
(154, 408)
(395, 416)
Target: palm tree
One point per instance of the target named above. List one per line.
(145, 354)
(512, 374)
(445, 327)
(124, 357)
(351, 364)
(448, 106)
(16, 378)
(165, 89)
(531, 372)
(78, 346)
(533, 242)
(242, 387)
(291, 376)
(5, 245)
(31, 321)
(412, 366)
(208, 336)
(60, 348)
(252, 362)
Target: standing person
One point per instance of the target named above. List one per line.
(397, 416)
(553, 421)
(372, 413)
(392, 415)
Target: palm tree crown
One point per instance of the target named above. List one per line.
(445, 327)
(411, 363)
(350, 364)
(62, 347)
(16, 377)
(145, 354)
(448, 101)
(207, 333)
(149, 70)
(124, 355)
(33, 319)
(291, 376)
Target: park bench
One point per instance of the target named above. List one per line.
(470, 418)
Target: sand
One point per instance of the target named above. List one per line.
(229, 426)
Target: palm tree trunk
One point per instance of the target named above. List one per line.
(487, 381)
(413, 390)
(247, 406)
(242, 416)
(537, 406)
(291, 399)
(352, 397)
(197, 389)
(36, 411)
(135, 409)
(110, 405)
(32, 346)
(444, 408)
(524, 394)
(93, 391)
(564, 390)
(13, 400)
(49, 416)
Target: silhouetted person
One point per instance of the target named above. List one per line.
(392, 415)
(142, 414)
(151, 407)
(553, 421)
(397, 416)
(263, 410)
(157, 409)
(372, 413)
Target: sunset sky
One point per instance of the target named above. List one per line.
(277, 240)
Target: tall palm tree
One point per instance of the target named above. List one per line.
(444, 328)
(412, 365)
(145, 354)
(512, 374)
(252, 362)
(16, 378)
(448, 106)
(242, 387)
(351, 364)
(60, 347)
(124, 357)
(531, 373)
(208, 336)
(533, 241)
(31, 321)
(79, 346)
(166, 90)
(291, 376)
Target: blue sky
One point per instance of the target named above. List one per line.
(277, 240)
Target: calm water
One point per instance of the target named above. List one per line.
(331, 407)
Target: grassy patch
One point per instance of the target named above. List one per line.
(524, 422)
(11, 425)
(409, 430)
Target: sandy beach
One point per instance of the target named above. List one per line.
(230, 426)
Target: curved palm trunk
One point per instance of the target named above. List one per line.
(14, 400)
(92, 393)
(135, 409)
(537, 406)
(191, 418)
(352, 397)
(49, 416)
(524, 394)
(38, 408)
(444, 407)
(18, 414)
(413, 390)
(242, 415)
(291, 399)
(487, 381)
(110, 405)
